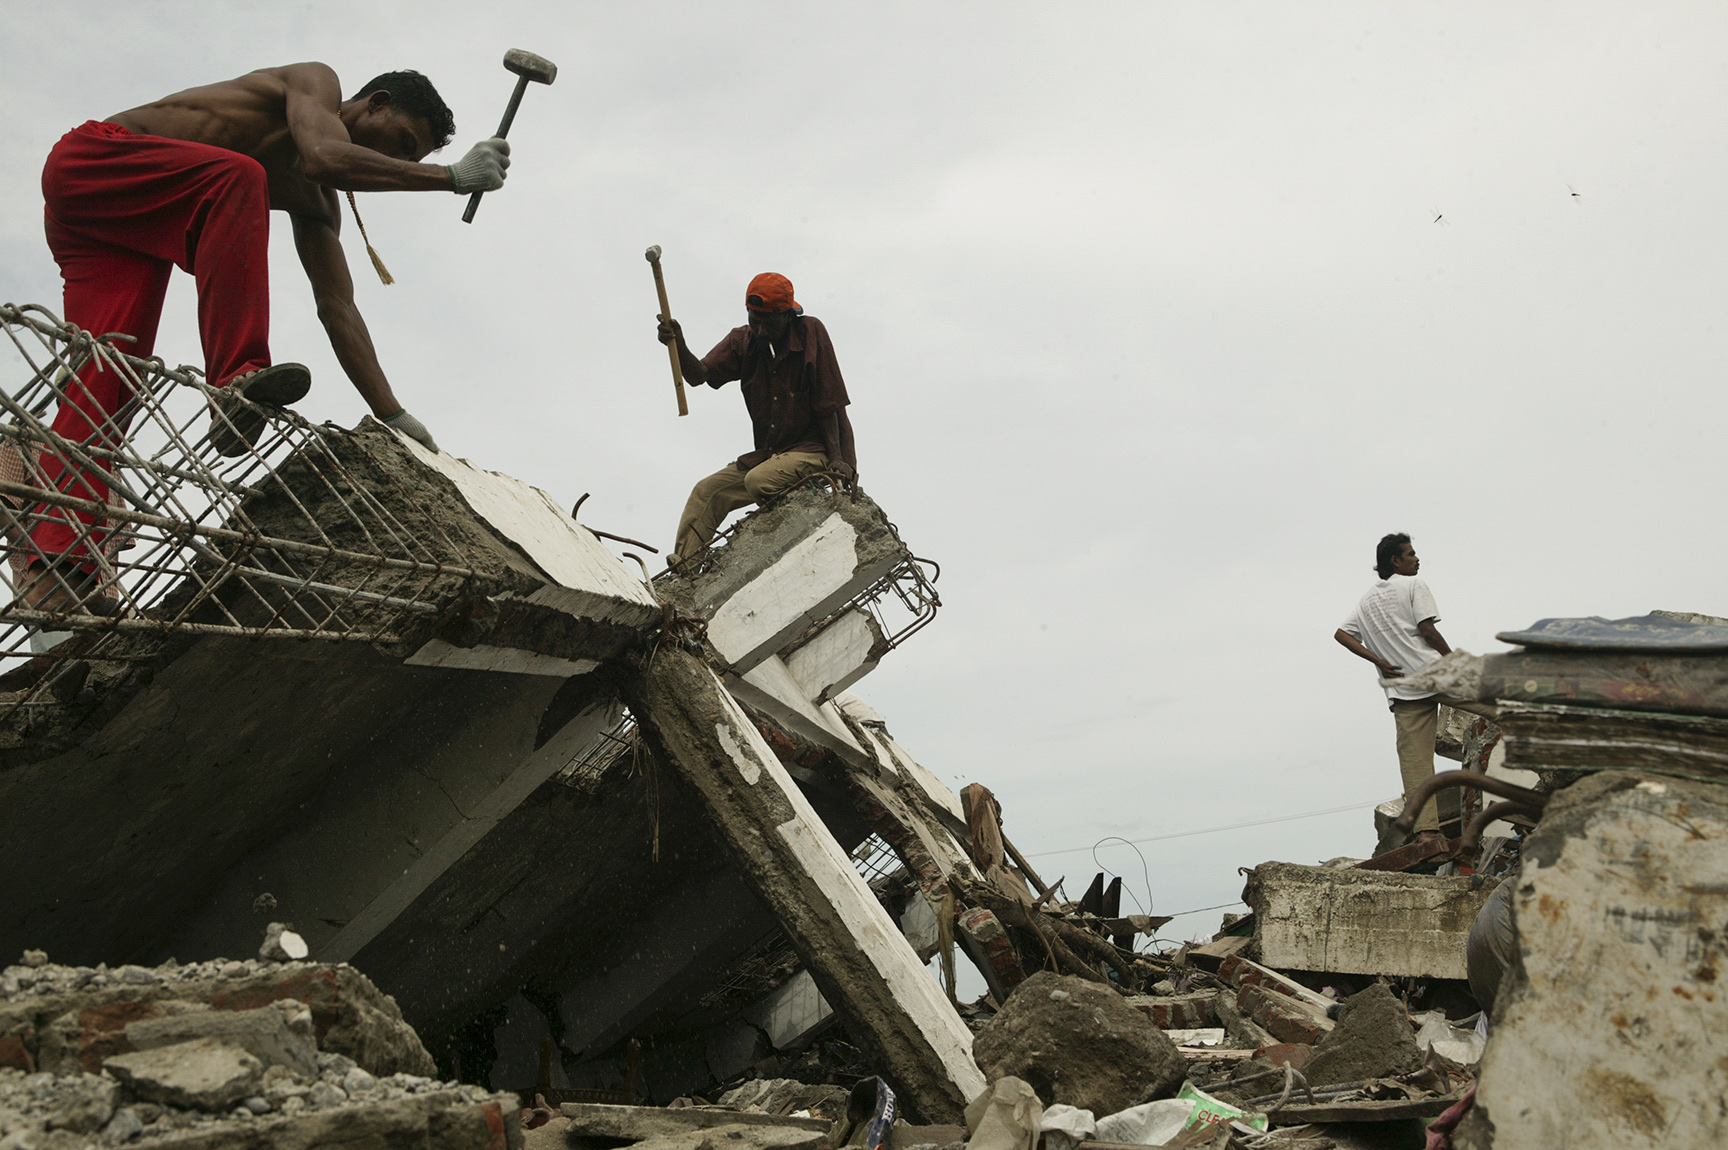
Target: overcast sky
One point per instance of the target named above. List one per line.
(1155, 317)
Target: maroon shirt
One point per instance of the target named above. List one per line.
(785, 395)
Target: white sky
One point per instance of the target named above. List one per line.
(1149, 328)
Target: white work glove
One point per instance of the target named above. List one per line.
(482, 169)
(413, 428)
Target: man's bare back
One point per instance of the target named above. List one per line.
(311, 142)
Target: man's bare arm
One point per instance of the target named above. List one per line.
(1431, 635)
(830, 424)
(328, 156)
(1354, 645)
(326, 266)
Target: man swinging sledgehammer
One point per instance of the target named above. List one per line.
(785, 366)
(189, 181)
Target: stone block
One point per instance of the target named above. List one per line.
(1373, 1039)
(204, 1074)
(1608, 1027)
(1348, 921)
(1079, 1043)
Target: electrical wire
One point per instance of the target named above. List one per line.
(1209, 830)
(1144, 870)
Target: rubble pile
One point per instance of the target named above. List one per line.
(223, 1053)
(636, 851)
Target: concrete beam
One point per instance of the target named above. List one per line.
(838, 655)
(1363, 922)
(770, 688)
(787, 567)
(1608, 1027)
(860, 960)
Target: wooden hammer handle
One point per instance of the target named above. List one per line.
(671, 348)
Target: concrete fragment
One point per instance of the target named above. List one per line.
(787, 1095)
(1373, 1039)
(1079, 1043)
(65, 1031)
(204, 1074)
(1607, 1028)
(264, 1033)
(788, 566)
(282, 944)
(88, 1109)
(1363, 922)
(841, 653)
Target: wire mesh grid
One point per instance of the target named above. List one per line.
(133, 523)
(875, 858)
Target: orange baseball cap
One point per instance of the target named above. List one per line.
(771, 292)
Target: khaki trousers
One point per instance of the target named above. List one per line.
(716, 497)
(1417, 721)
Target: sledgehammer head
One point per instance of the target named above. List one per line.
(529, 66)
(652, 255)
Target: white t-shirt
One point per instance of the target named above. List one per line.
(1385, 622)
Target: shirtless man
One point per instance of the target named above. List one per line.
(189, 181)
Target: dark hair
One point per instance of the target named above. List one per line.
(415, 95)
(1388, 549)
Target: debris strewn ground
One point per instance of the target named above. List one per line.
(629, 859)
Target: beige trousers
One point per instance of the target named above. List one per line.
(716, 497)
(1417, 721)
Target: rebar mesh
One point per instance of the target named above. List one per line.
(169, 536)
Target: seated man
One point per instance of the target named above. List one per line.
(797, 401)
(189, 181)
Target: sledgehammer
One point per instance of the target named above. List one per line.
(527, 66)
(652, 255)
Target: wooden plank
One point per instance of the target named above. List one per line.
(1362, 1111)
(597, 1120)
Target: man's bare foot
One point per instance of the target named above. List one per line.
(234, 426)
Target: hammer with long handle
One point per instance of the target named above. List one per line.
(527, 66)
(652, 255)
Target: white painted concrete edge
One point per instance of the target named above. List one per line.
(526, 516)
(875, 934)
(438, 653)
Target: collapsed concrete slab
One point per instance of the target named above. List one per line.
(859, 958)
(1350, 921)
(1607, 1030)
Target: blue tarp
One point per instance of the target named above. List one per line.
(1644, 633)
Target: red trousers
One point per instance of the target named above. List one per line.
(122, 210)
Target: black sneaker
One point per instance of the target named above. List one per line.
(234, 426)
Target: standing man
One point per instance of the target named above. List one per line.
(797, 401)
(1393, 628)
(189, 181)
